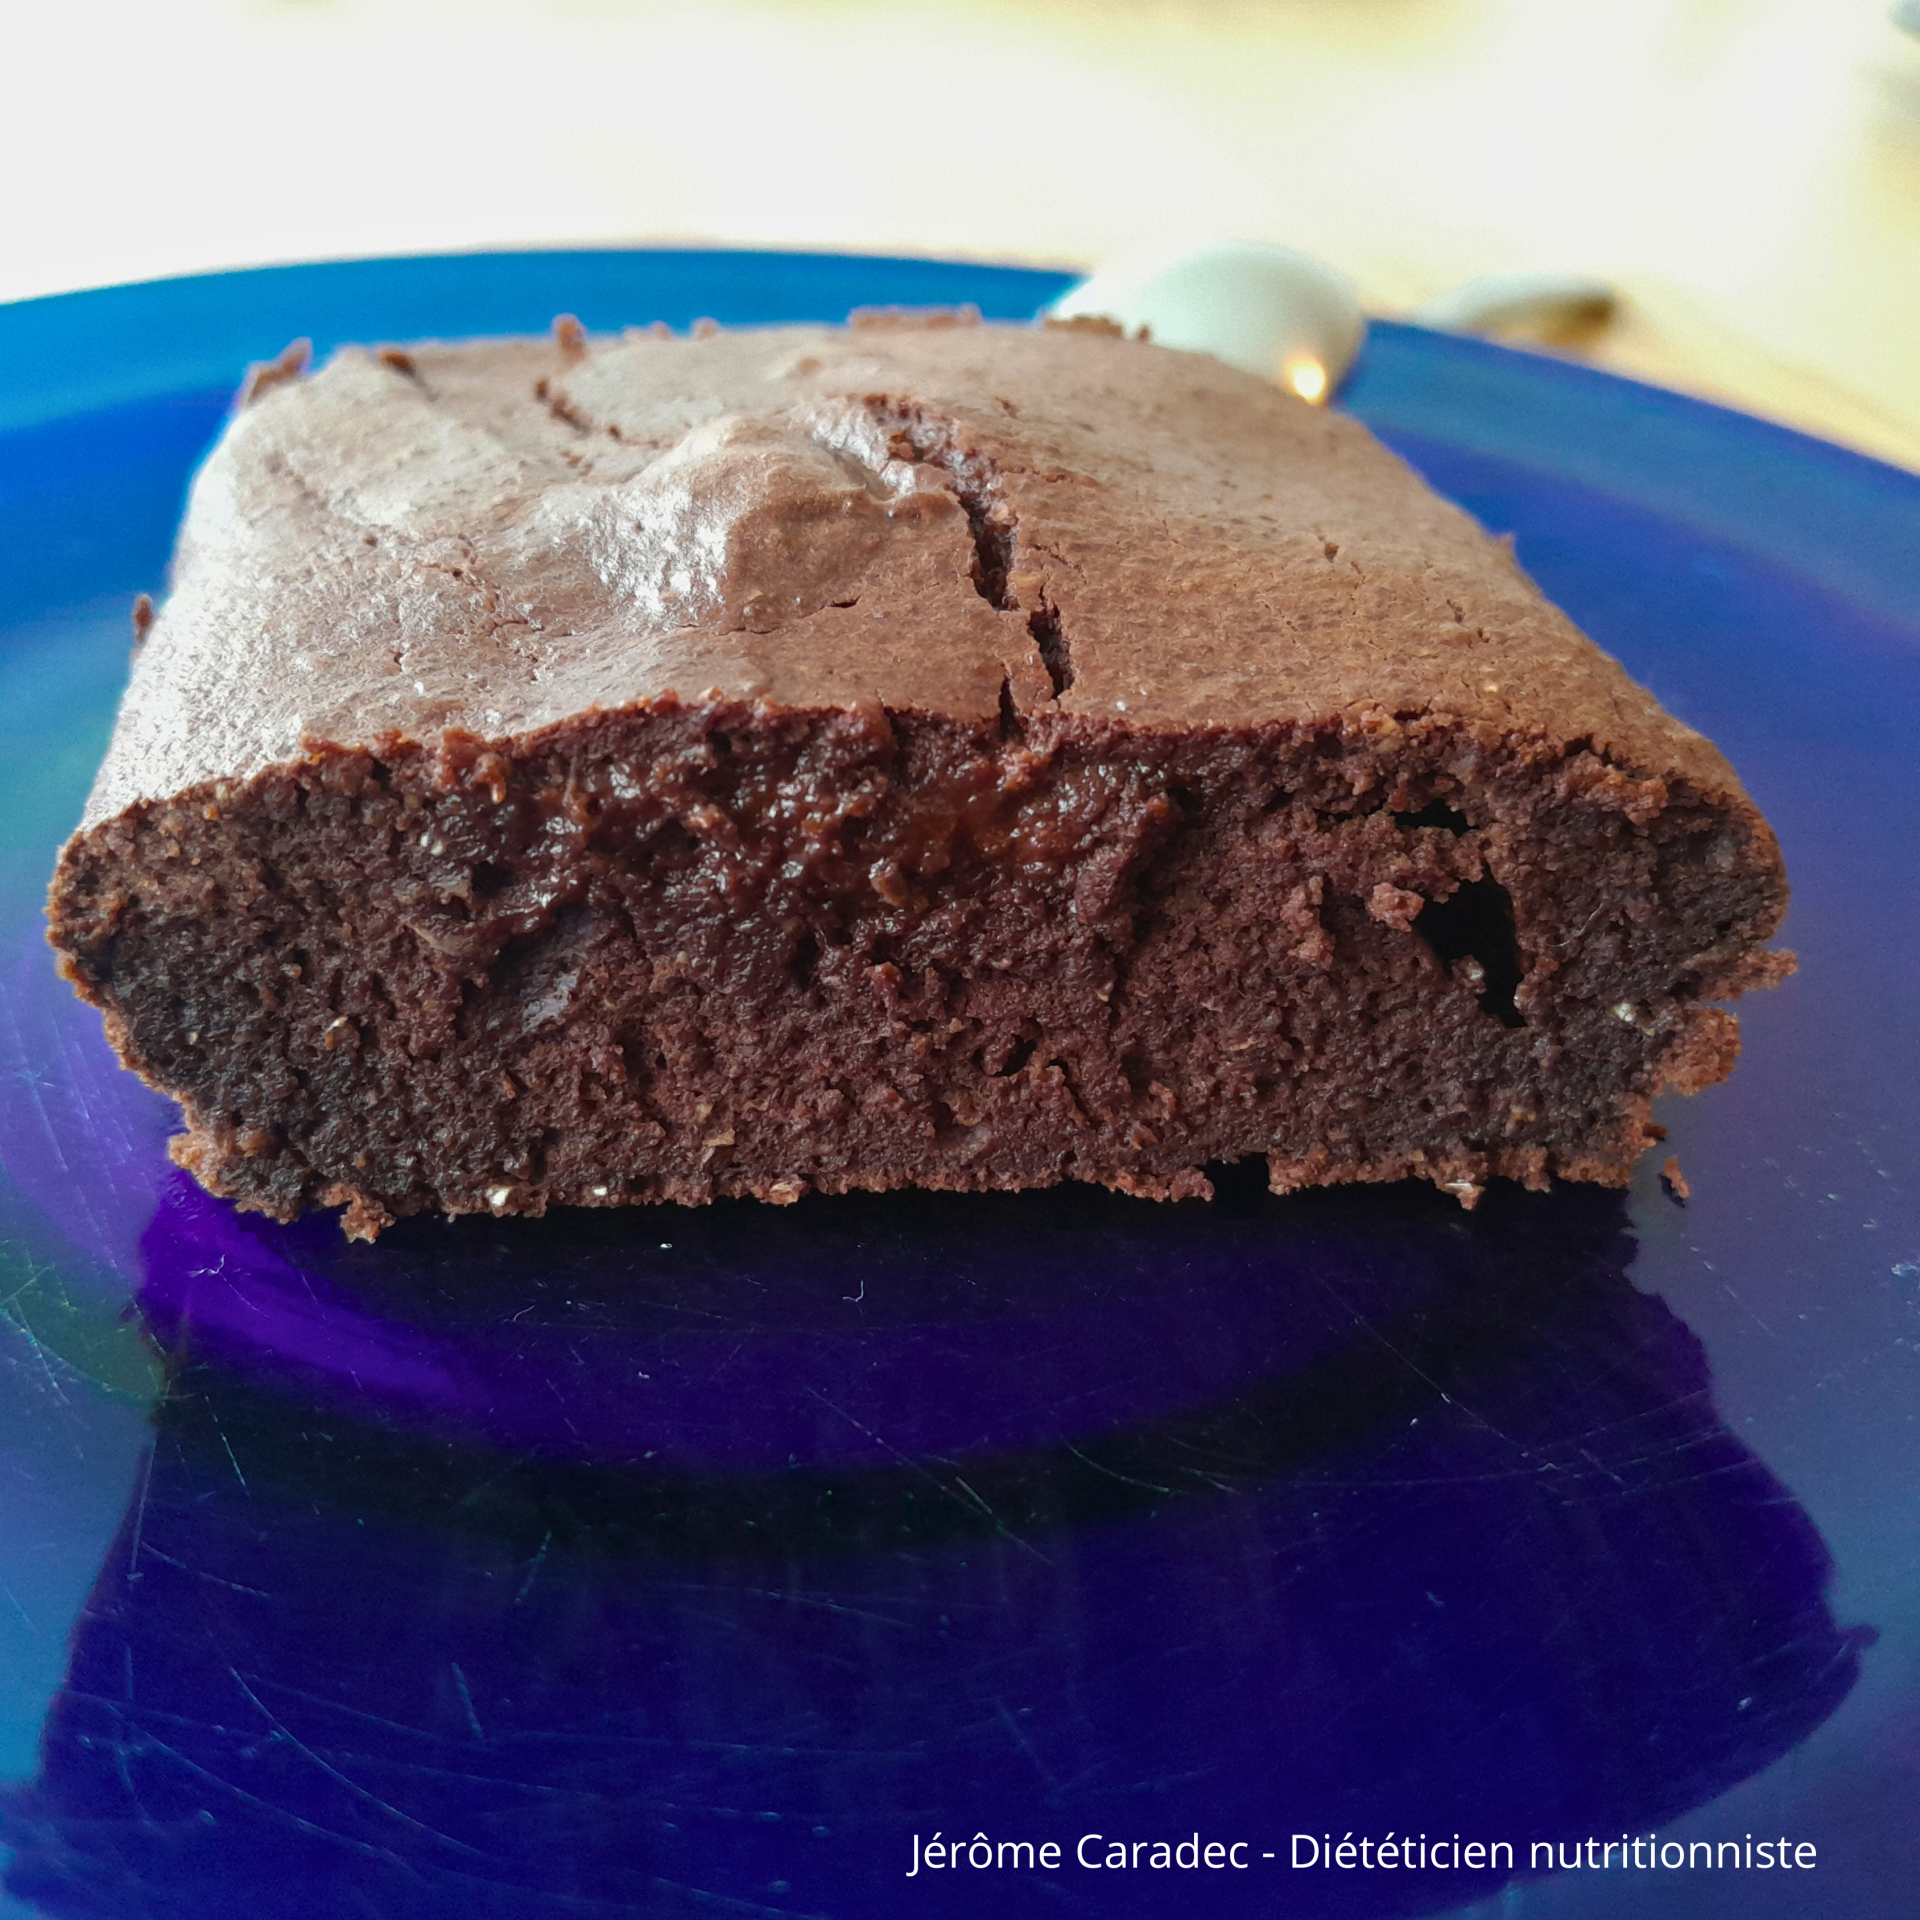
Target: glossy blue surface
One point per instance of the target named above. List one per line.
(697, 1562)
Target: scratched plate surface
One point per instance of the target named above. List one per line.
(739, 1562)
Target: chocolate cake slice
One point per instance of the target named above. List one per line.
(651, 769)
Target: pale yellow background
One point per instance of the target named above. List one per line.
(1748, 171)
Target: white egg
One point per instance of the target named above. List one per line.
(1540, 304)
(1267, 309)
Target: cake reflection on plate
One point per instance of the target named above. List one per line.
(1340, 1512)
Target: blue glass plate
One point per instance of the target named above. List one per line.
(1051, 1554)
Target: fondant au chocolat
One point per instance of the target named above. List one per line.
(646, 768)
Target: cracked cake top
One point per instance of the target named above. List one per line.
(495, 537)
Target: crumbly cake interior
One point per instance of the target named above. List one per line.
(717, 949)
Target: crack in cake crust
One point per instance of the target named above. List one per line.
(997, 574)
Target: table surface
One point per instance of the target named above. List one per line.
(1747, 172)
